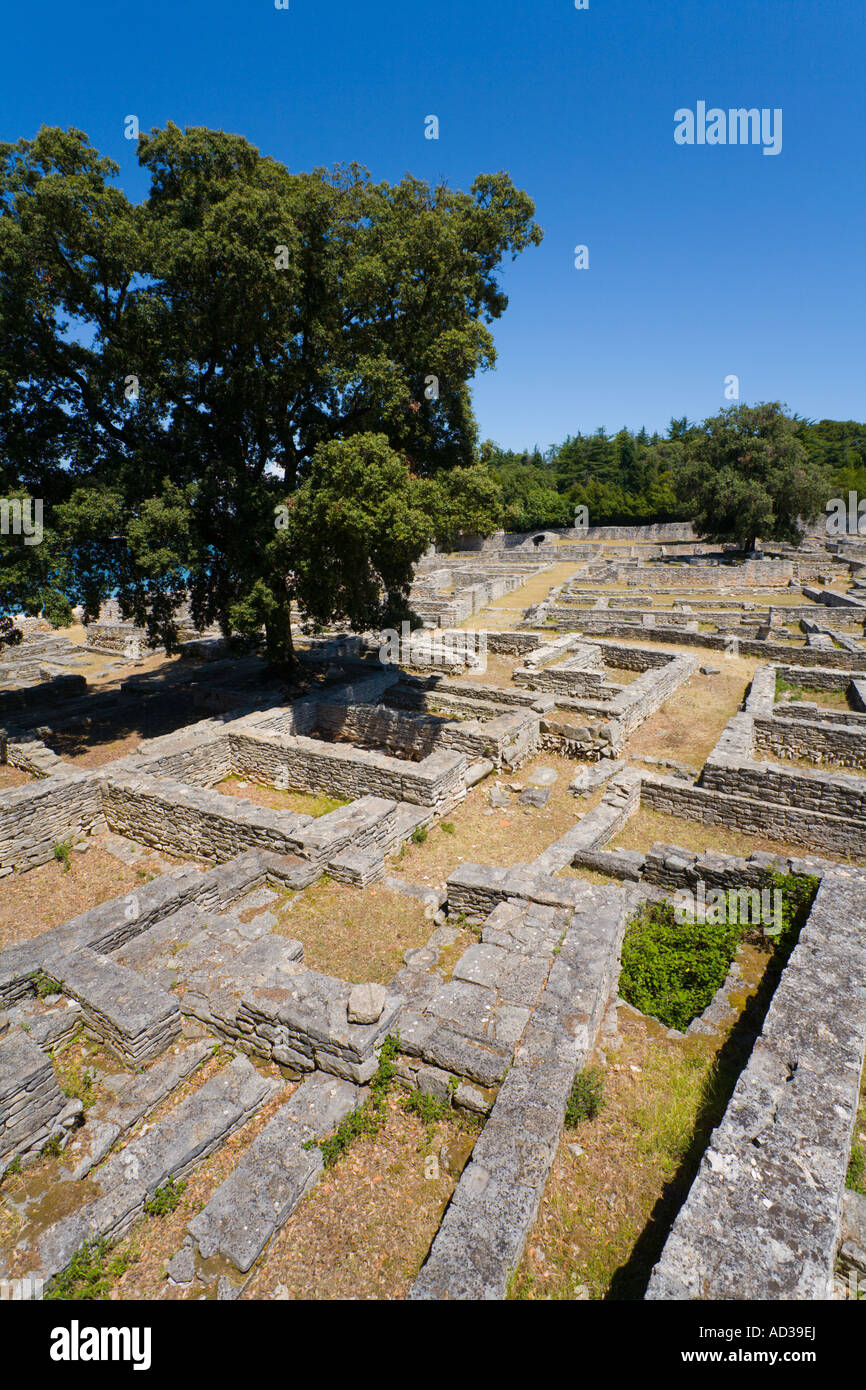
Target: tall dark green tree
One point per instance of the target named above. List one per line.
(173, 372)
(746, 475)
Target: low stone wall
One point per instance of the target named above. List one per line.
(110, 925)
(208, 825)
(624, 711)
(483, 1232)
(31, 1101)
(45, 693)
(753, 815)
(831, 794)
(202, 757)
(763, 1217)
(815, 739)
(438, 781)
(35, 818)
(134, 1018)
(307, 1028)
(24, 750)
(815, 678)
(778, 652)
(506, 737)
(195, 822)
(594, 830)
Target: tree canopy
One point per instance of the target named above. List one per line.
(747, 475)
(245, 339)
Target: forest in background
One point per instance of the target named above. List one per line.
(627, 478)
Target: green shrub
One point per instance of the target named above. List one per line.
(586, 1101)
(419, 835)
(165, 1199)
(672, 969)
(369, 1118)
(62, 853)
(448, 827)
(429, 1109)
(90, 1272)
(45, 984)
(798, 893)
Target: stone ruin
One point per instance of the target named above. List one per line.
(192, 958)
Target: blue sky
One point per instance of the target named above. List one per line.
(703, 261)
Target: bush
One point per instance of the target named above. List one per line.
(45, 985)
(429, 1109)
(91, 1272)
(62, 852)
(798, 894)
(165, 1199)
(587, 1097)
(419, 835)
(672, 969)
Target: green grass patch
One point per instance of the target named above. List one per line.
(63, 854)
(856, 1178)
(165, 1199)
(369, 1118)
(586, 1100)
(671, 969)
(91, 1272)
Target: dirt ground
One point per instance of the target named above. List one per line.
(49, 895)
(357, 936)
(481, 835)
(618, 1181)
(689, 724)
(365, 1230)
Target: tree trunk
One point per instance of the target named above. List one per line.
(278, 640)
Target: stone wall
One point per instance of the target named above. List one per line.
(816, 739)
(754, 815)
(110, 925)
(438, 781)
(31, 1101)
(763, 1217)
(35, 818)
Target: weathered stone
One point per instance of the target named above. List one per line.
(366, 1003)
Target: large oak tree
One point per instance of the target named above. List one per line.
(245, 339)
(745, 475)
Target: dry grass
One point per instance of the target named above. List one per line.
(357, 936)
(304, 803)
(498, 837)
(827, 699)
(606, 1211)
(13, 777)
(689, 724)
(497, 671)
(49, 895)
(508, 611)
(155, 1239)
(365, 1230)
